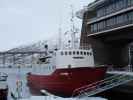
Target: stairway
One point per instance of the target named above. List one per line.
(102, 85)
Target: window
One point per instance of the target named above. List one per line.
(61, 52)
(77, 52)
(81, 52)
(70, 53)
(119, 19)
(65, 52)
(130, 16)
(84, 53)
(88, 53)
(125, 3)
(95, 27)
(125, 18)
(131, 2)
(100, 12)
(92, 28)
(73, 52)
(128, 2)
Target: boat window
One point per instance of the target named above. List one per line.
(81, 52)
(70, 52)
(77, 52)
(42, 59)
(62, 53)
(88, 53)
(65, 52)
(73, 52)
(84, 53)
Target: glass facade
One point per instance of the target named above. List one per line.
(113, 22)
(112, 6)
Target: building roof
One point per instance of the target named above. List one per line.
(90, 7)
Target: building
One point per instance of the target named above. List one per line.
(108, 27)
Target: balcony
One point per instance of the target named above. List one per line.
(111, 28)
(108, 15)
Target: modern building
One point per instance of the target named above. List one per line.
(108, 27)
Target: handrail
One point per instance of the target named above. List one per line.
(3, 76)
(121, 81)
(95, 83)
(102, 83)
(116, 81)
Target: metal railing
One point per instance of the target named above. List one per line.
(102, 85)
(113, 26)
(113, 11)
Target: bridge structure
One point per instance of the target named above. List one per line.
(15, 58)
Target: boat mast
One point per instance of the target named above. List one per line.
(73, 29)
(60, 31)
(60, 38)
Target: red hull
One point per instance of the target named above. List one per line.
(64, 81)
(3, 94)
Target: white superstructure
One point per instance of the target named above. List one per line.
(64, 58)
(74, 58)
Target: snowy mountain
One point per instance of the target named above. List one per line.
(39, 46)
(10, 59)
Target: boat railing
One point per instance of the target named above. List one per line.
(85, 47)
(3, 76)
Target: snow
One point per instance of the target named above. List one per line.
(59, 98)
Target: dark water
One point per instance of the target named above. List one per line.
(115, 95)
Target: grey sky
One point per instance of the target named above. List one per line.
(27, 21)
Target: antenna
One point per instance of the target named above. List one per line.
(73, 29)
(60, 38)
(60, 31)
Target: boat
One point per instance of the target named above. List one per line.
(70, 69)
(3, 86)
(63, 70)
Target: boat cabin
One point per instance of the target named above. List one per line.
(61, 59)
(74, 58)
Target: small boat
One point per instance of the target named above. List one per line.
(3, 86)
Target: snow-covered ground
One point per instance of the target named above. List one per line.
(59, 98)
(17, 85)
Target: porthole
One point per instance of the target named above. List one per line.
(61, 53)
(65, 52)
(70, 53)
(77, 52)
(73, 52)
(81, 53)
(84, 53)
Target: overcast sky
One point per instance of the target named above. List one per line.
(26, 21)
